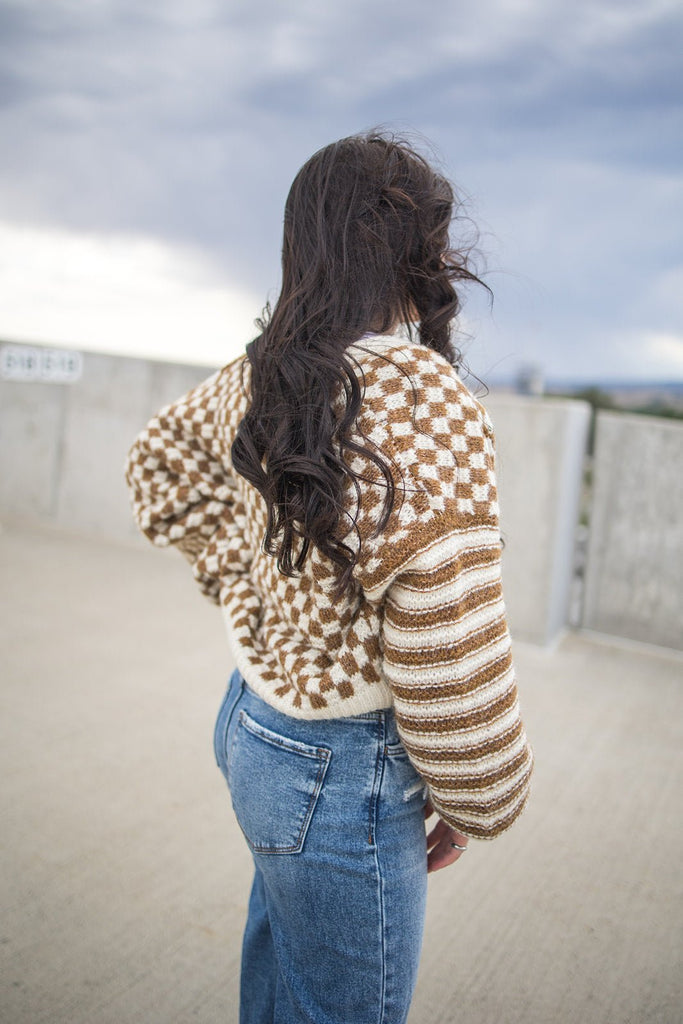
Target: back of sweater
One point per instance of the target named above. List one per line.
(423, 626)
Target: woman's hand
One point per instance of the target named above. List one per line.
(439, 843)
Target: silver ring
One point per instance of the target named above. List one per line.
(457, 847)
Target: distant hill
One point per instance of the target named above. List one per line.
(659, 398)
(653, 398)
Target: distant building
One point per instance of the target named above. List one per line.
(530, 380)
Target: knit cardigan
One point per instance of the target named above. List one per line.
(423, 626)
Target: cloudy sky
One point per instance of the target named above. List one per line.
(148, 146)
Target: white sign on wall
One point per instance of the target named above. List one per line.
(42, 365)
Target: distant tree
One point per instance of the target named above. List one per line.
(659, 408)
(596, 397)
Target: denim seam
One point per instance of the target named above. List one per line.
(379, 773)
(377, 781)
(383, 926)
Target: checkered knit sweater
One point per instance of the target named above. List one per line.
(423, 628)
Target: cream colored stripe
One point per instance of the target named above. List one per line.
(458, 737)
(459, 805)
(491, 801)
(423, 636)
(460, 747)
(450, 546)
(452, 592)
(419, 707)
(481, 822)
(436, 673)
(492, 805)
(482, 659)
(487, 830)
(483, 765)
(449, 591)
(485, 799)
(484, 669)
(454, 648)
(457, 653)
(468, 787)
(488, 609)
(379, 578)
(461, 739)
(465, 750)
(465, 561)
(421, 686)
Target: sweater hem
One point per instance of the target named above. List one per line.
(375, 698)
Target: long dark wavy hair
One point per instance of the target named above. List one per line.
(366, 247)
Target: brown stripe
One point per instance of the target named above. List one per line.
(485, 806)
(478, 558)
(405, 618)
(464, 684)
(448, 653)
(460, 754)
(460, 723)
(442, 655)
(430, 533)
(478, 831)
(469, 783)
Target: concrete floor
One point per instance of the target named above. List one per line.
(124, 876)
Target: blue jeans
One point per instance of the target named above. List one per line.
(333, 812)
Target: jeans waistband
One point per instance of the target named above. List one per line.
(369, 719)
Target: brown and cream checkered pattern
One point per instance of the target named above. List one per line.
(440, 442)
(425, 607)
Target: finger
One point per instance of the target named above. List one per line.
(444, 845)
(439, 832)
(442, 856)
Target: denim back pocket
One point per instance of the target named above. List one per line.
(275, 783)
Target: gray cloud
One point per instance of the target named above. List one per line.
(187, 121)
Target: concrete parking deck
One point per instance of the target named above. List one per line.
(125, 878)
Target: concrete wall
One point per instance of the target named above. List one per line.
(63, 445)
(634, 582)
(540, 446)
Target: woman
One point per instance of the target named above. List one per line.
(334, 491)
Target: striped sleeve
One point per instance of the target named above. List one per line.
(447, 658)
